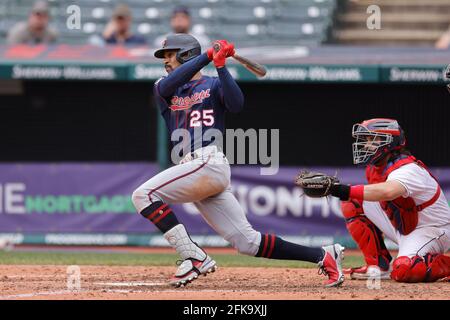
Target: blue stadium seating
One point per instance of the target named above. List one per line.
(250, 22)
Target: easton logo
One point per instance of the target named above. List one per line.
(183, 103)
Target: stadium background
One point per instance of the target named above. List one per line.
(80, 130)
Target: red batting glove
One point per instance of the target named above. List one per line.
(221, 43)
(226, 49)
(220, 57)
(210, 53)
(230, 50)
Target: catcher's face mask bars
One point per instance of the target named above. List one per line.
(367, 143)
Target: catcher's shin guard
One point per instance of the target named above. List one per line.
(429, 268)
(366, 235)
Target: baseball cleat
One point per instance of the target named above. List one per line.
(190, 269)
(368, 272)
(331, 265)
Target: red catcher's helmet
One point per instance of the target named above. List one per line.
(375, 138)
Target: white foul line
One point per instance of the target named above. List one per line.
(35, 294)
(131, 284)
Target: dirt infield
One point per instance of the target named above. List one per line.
(126, 282)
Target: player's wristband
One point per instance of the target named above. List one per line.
(357, 192)
(346, 192)
(341, 191)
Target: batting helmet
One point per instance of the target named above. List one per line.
(188, 47)
(375, 138)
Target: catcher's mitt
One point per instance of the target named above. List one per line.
(315, 184)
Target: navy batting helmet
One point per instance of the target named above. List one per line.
(375, 138)
(188, 47)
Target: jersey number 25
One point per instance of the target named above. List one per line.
(205, 116)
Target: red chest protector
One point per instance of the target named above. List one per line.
(402, 212)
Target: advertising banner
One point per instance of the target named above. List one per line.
(54, 202)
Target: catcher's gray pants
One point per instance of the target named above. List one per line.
(205, 181)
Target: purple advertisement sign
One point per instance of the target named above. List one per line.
(96, 198)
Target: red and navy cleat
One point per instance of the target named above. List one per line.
(190, 269)
(331, 265)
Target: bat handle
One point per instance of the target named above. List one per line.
(216, 48)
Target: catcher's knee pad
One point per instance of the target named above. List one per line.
(428, 268)
(369, 240)
(247, 244)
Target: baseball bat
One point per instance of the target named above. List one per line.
(252, 66)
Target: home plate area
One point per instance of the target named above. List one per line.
(140, 282)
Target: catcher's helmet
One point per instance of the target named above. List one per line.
(188, 47)
(375, 138)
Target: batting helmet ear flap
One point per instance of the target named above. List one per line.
(186, 54)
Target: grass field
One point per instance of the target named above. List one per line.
(147, 259)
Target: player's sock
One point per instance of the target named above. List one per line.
(161, 215)
(273, 247)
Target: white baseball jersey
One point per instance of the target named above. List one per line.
(432, 234)
(421, 186)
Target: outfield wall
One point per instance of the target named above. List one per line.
(91, 204)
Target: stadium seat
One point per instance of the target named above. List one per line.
(242, 33)
(206, 13)
(250, 3)
(251, 21)
(193, 4)
(295, 13)
(150, 3)
(258, 14)
(94, 13)
(297, 30)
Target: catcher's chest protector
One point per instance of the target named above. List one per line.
(402, 212)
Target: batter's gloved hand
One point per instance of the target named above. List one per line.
(221, 50)
(210, 53)
(224, 44)
(317, 185)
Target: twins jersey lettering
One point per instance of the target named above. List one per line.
(195, 105)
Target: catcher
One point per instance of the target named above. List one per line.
(403, 201)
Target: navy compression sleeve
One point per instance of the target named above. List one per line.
(231, 93)
(181, 75)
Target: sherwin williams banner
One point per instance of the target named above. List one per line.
(60, 199)
(323, 64)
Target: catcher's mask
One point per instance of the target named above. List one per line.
(375, 138)
(186, 45)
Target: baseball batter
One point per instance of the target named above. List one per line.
(403, 201)
(191, 101)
